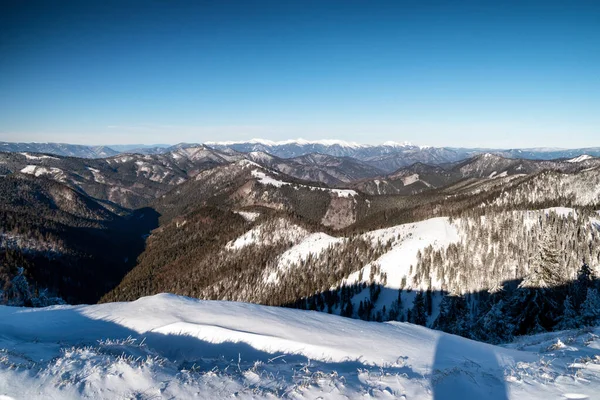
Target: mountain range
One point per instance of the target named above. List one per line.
(332, 233)
(387, 157)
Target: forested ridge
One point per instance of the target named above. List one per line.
(487, 258)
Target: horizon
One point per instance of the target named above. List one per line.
(302, 141)
(475, 74)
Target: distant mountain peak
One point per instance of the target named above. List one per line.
(299, 141)
(391, 143)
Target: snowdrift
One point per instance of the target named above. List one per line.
(167, 346)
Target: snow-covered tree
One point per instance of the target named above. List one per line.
(590, 309)
(18, 293)
(585, 280)
(585, 275)
(494, 325)
(454, 315)
(547, 270)
(569, 318)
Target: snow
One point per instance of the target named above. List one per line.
(391, 143)
(260, 156)
(409, 180)
(247, 163)
(98, 177)
(408, 240)
(249, 216)
(300, 142)
(167, 346)
(314, 244)
(30, 169)
(579, 159)
(36, 170)
(27, 244)
(495, 174)
(303, 142)
(560, 211)
(268, 180)
(341, 192)
(123, 159)
(281, 230)
(37, 157)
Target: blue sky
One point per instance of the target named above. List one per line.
(461, 73)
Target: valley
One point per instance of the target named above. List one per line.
(489, 248)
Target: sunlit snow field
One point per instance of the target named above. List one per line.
(166, 346)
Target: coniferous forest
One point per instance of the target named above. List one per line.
(489, 258)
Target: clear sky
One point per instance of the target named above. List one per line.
(460, 73)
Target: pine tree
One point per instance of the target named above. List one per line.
(585, 275)
(419, 314)
(19, 293)
(494, 325)
(399, 299)
(547, 270)
(590, 309)
(461, 317)
(454, 315)
(535, 306)
(585, 280)
(445, 315)
(429, 302)
(569, 318)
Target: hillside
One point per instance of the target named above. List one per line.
(248, 184)
(420, 177)
(135, 180)
(390, 156)
(129, 180)
(60, 149)
(64, 241)
(173, 347)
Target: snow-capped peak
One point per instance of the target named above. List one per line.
(391, 143)
(303, 142)
(299, 141)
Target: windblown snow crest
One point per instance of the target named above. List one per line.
(167, 346)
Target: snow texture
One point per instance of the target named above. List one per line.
(249, 216)
(409, 180)
(37, 157)
(166, 346)
(268, 180)
(282, 230)
(37, 171)
(579, 159)
(407, 241)
(314, 244)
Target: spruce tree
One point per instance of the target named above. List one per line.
(547, 270)
(535, 304)
(419, 314)
(494, 325)
(585, 280)
(590, 309)
(569, 318)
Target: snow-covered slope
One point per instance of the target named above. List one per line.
(166, 346)
(581, 158)
(407, 241)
